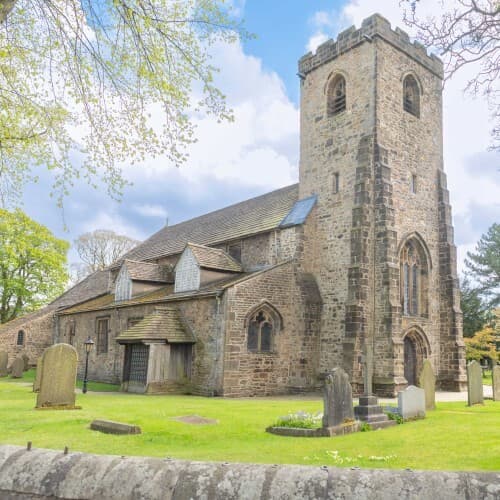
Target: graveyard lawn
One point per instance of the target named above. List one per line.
(454, 437)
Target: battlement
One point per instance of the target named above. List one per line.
(373, 26)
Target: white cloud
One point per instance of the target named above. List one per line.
(148, 210)
(115, 222)
(316, 40)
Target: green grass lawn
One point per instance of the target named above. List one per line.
(454, 437)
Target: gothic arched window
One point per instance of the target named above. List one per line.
(263, 325)
(411, 96)
(336, 95)
(20, 337)
(414, 277)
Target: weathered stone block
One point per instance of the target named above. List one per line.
(110, 427)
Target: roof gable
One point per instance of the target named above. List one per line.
(214, 258)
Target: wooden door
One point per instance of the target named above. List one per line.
(410, 361)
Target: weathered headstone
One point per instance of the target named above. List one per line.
(411, 402)
(26, 361)
(58, 377)
(427, 381)
(38, 375)
(337, 398)
(474, 383)
(4, 361)
(17, 368)
(110, 427)
(495, 375)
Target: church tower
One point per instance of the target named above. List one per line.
(381, 239)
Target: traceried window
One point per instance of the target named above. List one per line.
(102, 327)
(263, 325)
(411, 96)
(414, 277)
(20, 337)
(336, 96)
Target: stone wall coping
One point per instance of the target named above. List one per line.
(45, 474)
(373, 26)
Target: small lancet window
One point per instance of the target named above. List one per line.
(413, 184)
(262, 328)
(411, 96)
(336, 96)
(20, 337)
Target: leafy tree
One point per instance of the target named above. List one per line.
(482, 346)
(476, 311)
(32, 265)
(484, 264)
(466, 33)
(87, 78)
(102, 247)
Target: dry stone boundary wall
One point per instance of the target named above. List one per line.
(47, 474)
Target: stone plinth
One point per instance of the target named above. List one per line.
(370, 412)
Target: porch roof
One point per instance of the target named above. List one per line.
(164, 324)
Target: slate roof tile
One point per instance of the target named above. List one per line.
(214, 258)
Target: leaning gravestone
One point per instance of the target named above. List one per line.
(495, 375)
(38, 375)
(474, 383)
(411, 402)
(337, 399)
(17, 368)
(427, 382)
(4, 361)
(26, 361)
(58, 377)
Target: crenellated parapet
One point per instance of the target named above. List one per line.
(372, 27)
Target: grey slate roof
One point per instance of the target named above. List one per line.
(164, 324)
(146, 271)
(253, 216)
(214, 258)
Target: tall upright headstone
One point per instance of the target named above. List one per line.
(38, 375)
(4, 361)
(495, 376)
(474, 384)
(26, 361)
(17, 368)
(58, 377)
(337, 399)
(427, 381)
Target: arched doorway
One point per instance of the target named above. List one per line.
(410, 361)
(416, 349)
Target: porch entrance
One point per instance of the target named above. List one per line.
(135, 368)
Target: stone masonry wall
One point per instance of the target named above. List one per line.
(292, 366)
(38, 335)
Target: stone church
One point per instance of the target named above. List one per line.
(354, 262)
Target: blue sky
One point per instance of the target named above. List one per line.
(259, 151)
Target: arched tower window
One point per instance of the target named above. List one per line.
(411, 96)
(414, 278)
(336, 95)
(263, 324)
(20, 337)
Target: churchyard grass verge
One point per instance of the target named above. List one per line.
(454, 437)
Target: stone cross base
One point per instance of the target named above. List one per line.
(370, 412)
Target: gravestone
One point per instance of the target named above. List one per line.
(4, 361)
(26, 361)
(427, 381)
(495, 375)
(58, 377)
(474, 383)
(38, 375)
(337, 399)
(110, 427)
(411, 402)
(17, 368)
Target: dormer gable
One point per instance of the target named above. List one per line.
(200, 265)
(137, 277)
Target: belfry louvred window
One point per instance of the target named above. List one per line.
(411, 96)
(336, 96)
